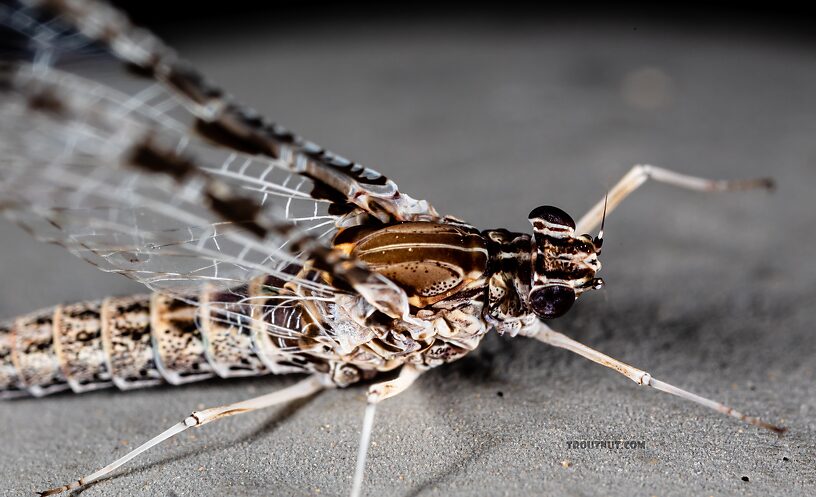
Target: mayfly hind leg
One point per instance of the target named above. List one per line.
(376, 394)
(639, 174)
(304, 388)
(549, 336)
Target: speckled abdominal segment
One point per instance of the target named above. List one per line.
(9, 382)
(227, 334)
(127, 342)
(33, 354)
(177, 340)
(78, 345)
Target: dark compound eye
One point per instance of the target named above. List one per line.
(586, 247)
(551, 215)
(552, 301)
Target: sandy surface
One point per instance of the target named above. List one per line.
(714, 293)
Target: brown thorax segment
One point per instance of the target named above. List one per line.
(429, 261)
(440, 267)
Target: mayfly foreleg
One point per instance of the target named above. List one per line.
(377, 393)
(639, 174)
(304, 388)
(547, 335)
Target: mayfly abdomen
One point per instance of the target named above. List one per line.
(146, 340)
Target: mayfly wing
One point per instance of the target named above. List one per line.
(159, 232)
(124, 193)
(230, 124)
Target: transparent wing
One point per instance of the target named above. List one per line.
(78, 168)
(211, 113)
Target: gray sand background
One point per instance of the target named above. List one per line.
(712, 292)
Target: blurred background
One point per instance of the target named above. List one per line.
(488, 113)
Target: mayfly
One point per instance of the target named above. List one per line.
(265, 253)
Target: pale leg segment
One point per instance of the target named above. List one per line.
(303, 388)
(549, 336)
(640, 173)
(381, 391)
(377, 393)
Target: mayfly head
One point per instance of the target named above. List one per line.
(563, 263)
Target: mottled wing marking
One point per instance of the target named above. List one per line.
(69, 170)
(230, 124)
(267, 180)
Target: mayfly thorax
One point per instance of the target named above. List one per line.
(265, 253)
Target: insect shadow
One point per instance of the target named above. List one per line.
(453, 469)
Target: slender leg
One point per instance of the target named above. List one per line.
(381, 391)
(547, 335)
(640, 173)
(301, 389)
(377, 393)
